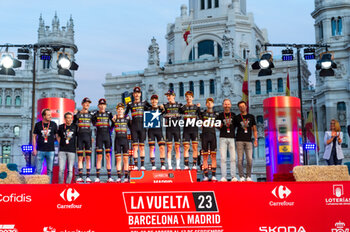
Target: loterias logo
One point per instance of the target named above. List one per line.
(282, 229)
(14, 198)
(8, 228)
(281, 192)
(338, 196)
(70, 195)
(340, 227)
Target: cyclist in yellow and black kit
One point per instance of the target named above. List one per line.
(209, 144)
(121, 142)
(102, 121)
(138, 132)
(172, 116)
(190, 113)
(156, 133)
(84, 140)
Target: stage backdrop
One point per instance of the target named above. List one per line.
(269, 207)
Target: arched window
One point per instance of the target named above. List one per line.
(191, 86)
(209, 4)
(216, 3)
(8, 100)
(171, 86)
(181, 90)
(320, 28)
(205, 47)
(18, 101)
(268, 85)
(280, 85)
(201, 87)
(339, 26)
(257, 87)
(16, 131)
(202, 4)
(341, 106)
(334, 26)
(257, 51)
(212, 86)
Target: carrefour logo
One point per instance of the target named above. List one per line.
(69, 194)
(281, 192)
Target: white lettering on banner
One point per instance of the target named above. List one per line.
(144, 220)
(160, 202)
(71, 206)
(8, 228)
(282, 229)
(15, 198)
(198, 219)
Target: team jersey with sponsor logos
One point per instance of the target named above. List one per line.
(212, 117)
(102, 121)
(137, 110)
(172, 112)
(83, 121)
(121, 126)
(190, 112)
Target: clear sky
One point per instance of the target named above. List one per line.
(113, 36)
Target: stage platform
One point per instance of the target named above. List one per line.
(177, 207)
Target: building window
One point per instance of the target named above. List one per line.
(244, 54)
(16, 131)
(209, 4)
(334, 26)
(339, 26)
(257, 87)
(212, 86)
(345, 138)
(202, 4)
(321, 30)
(181, 89)
(18, 101)
(191, 86)
(46, 64)
(205, 47)
(260, 119)
(8, 100)
(257, 51)
(201, 87)
(341, 106)
(171, 86)
(268, 85)
(5, 156)
(280, 85)
(216, 3)
(0, 100)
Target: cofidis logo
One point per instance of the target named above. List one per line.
(15, 198)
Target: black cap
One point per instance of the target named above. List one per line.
(137, 89)
(154, 96)
(102, 101)
(170, 92)
(86, 99)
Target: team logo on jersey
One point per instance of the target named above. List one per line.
(151, 119)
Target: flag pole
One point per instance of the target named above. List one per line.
(248, 78)
(314, 127)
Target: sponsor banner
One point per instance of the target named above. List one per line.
(185, 207)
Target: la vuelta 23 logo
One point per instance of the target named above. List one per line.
(159, 210)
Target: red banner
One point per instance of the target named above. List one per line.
(193, 207)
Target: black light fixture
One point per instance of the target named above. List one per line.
(309, 53)
(326, 65)
(23, 54)
(287, 54)
(8, 63)
(265, 64)
(64, 64)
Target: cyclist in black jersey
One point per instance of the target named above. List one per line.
(172, 117)
(138, 132)
(156, 133)
(121, 142)
(190, 113)
(102, 121)
(209, 144)
(84, 140)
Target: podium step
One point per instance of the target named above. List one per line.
(157, 177)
